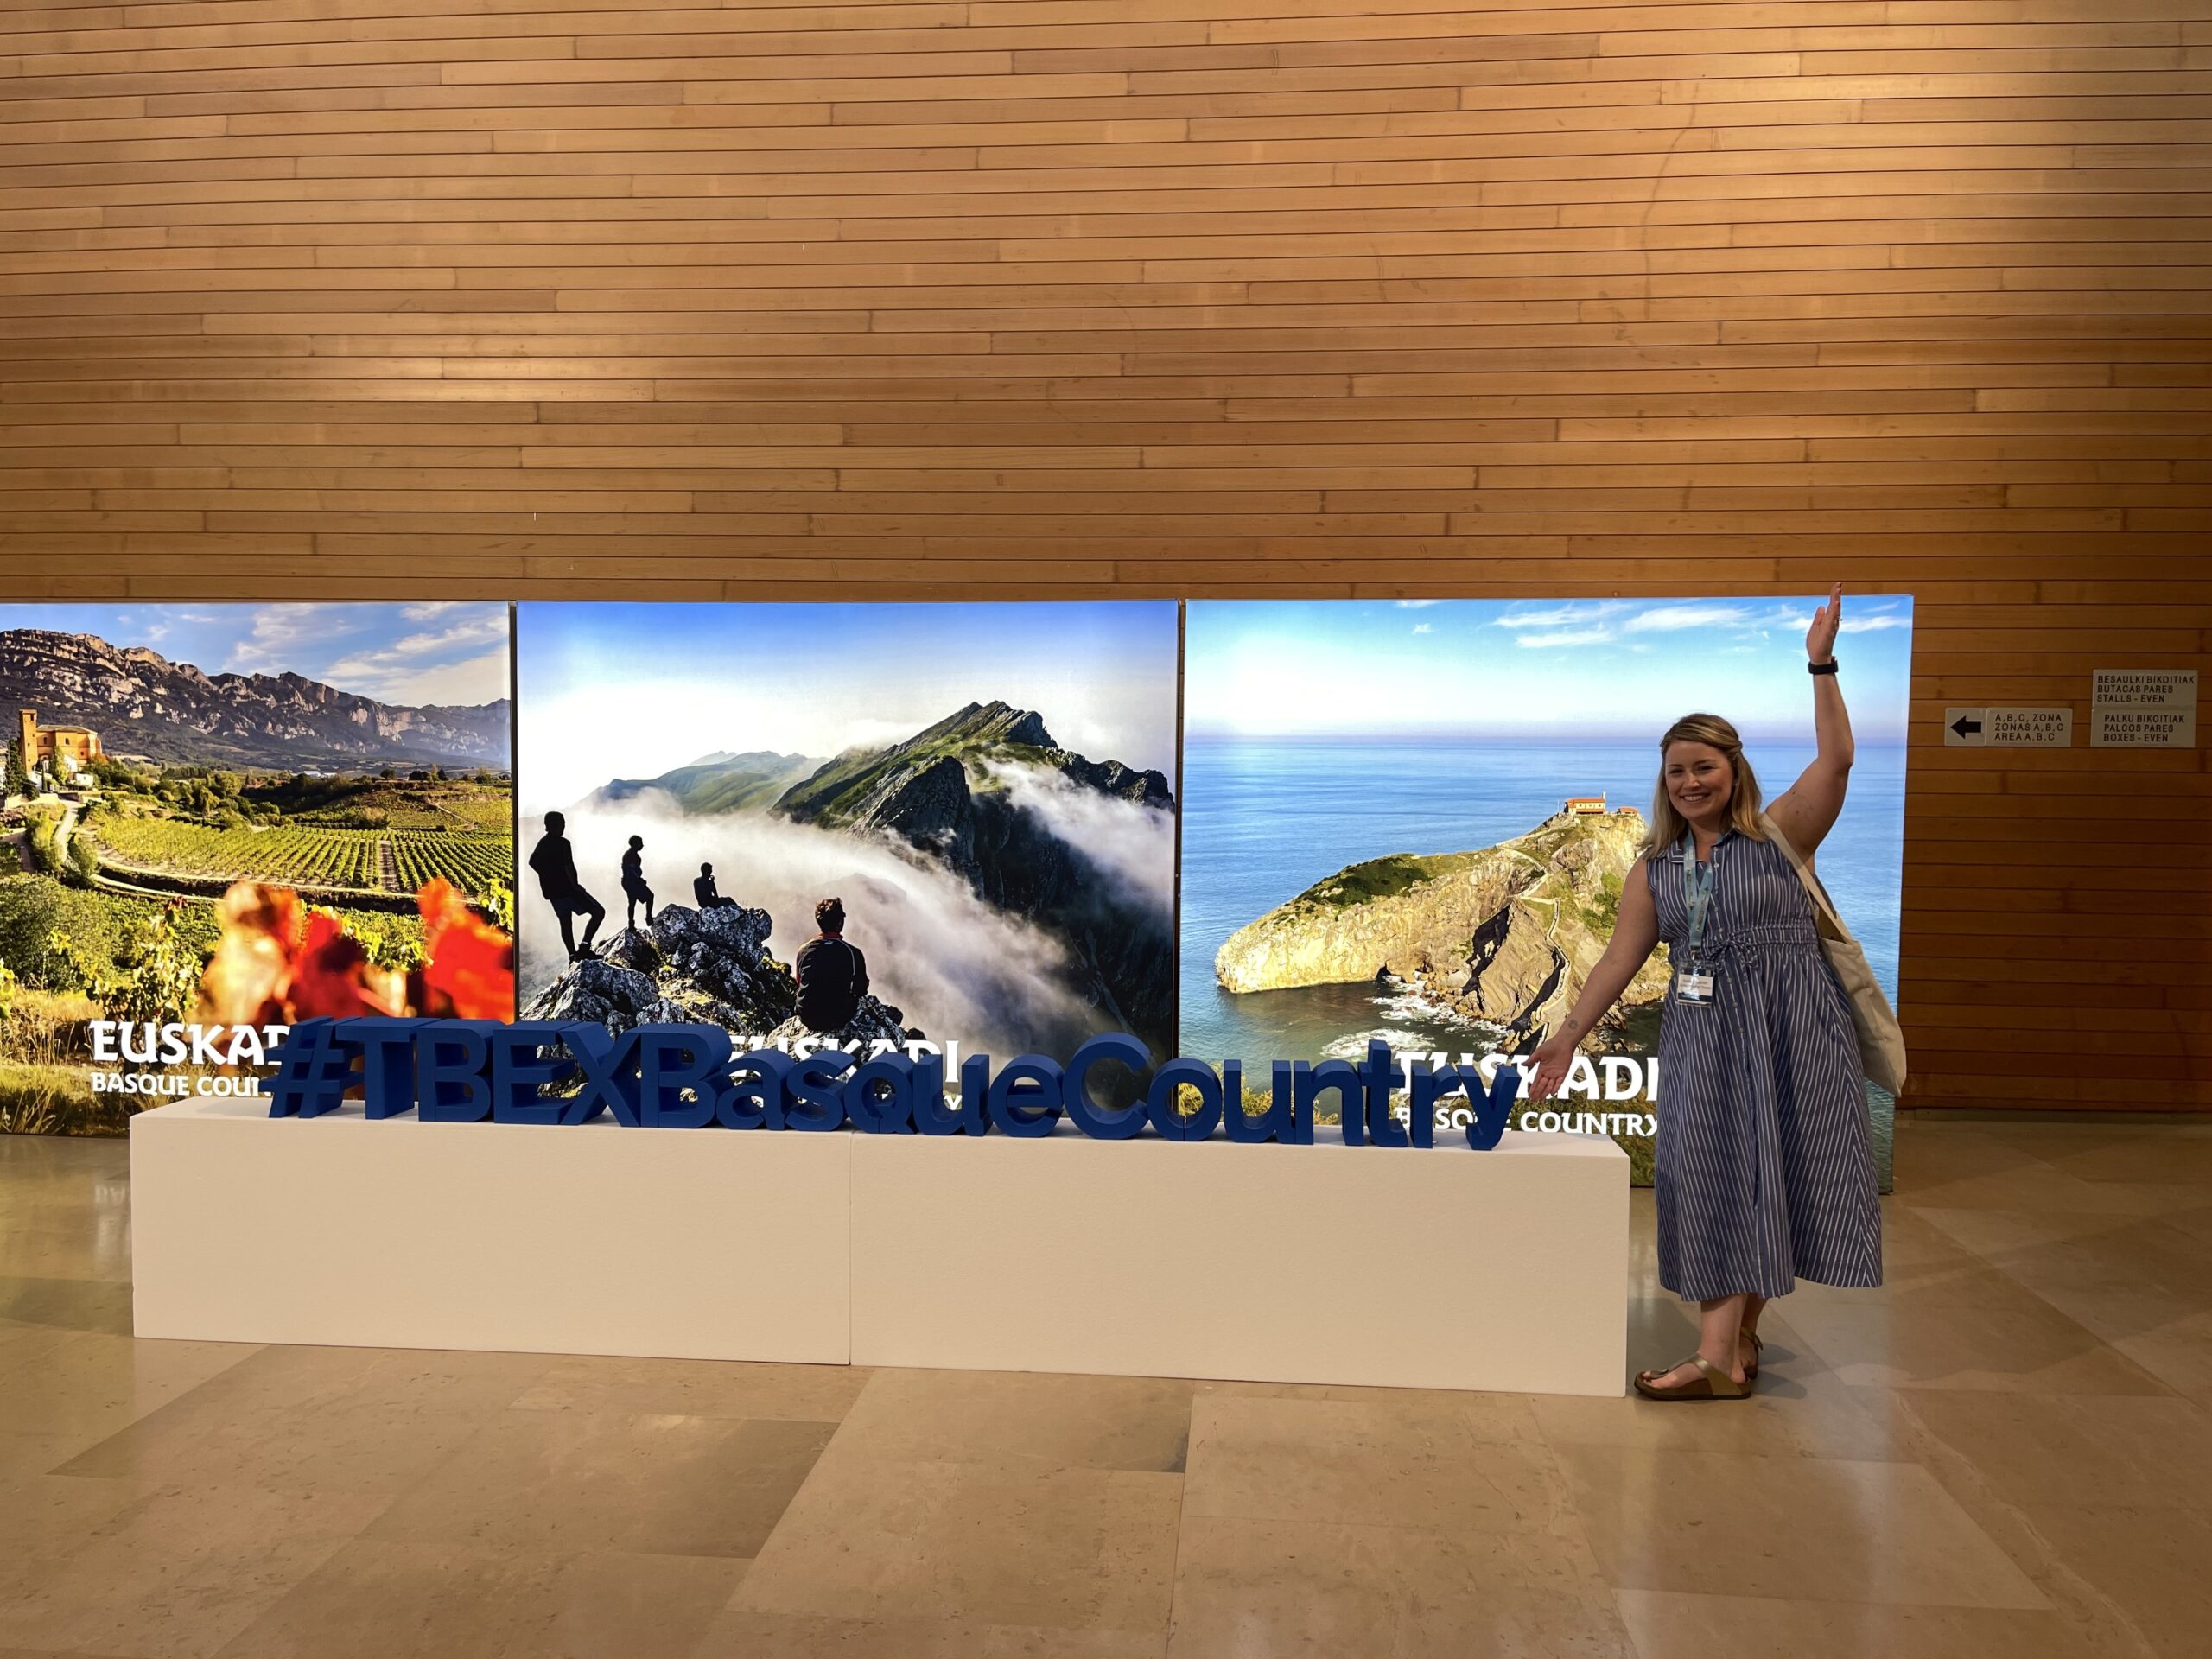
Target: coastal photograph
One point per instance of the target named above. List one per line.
(988, 792)
(1410, 820)
(223, 817)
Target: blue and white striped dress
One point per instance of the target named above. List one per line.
(1765, 1166)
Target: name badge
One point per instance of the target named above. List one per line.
(1694, 987)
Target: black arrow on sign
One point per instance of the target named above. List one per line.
(1964, 726)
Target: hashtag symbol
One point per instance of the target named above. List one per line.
(312, 1072)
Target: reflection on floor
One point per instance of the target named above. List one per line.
(2006, 1450)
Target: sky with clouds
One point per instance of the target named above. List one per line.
(664, 684)
(1596, 670)
(452, 652)
(614, 691)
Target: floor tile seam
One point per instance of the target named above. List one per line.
(2089, 1341)
(2109, 1222)
(61, 1471)
(1907, 1304)
(2139, 1296)
(1962, 1480)
(1001, 1469)
(2041, 1294)
(178, 1400)
(853, 1447)
(1752, 1606)
(306, 1568)
(279, 1416)
(403, 1490)
(1761, 1455)
(2148, 1200)
(1795, 1452)
(2160, 1388)
(2116, 1286)
(1182, 1512)
(1897, 1281)
(814, 1472)
(1484, 1539)
(1635, 1649)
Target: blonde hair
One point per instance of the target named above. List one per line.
(1669, 826)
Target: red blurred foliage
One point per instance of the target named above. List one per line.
(279, 962)
(468, 968)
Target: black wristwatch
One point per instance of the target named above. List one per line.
(1828, 667)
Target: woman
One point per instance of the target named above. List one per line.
(1765, 1167)
(633, 881)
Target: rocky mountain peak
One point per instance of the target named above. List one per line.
(943, 793)
(921, 788)
(708, 966)
(978, 724)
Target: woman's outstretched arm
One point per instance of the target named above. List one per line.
(1807, 811)
(1636, 934)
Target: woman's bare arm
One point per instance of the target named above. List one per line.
(1808, 809)
(1636, 934)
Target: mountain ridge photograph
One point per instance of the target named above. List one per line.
(174, 711)
(1009, 889)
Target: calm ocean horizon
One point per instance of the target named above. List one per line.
(1263, 819)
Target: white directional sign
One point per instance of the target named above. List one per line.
(2143, 709)
(2032, 729)
(2008, 728)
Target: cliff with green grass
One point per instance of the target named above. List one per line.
(1507, 934)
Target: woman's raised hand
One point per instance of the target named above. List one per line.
(1553, 1058)
(1820, 638)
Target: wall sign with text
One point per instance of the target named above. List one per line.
(2143, 709)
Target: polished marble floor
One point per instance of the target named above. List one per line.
(2005, 1452)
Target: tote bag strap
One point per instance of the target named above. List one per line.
(1818, 893)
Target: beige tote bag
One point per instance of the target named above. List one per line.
(1881, 1042)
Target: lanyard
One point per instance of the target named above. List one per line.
(1697, 889)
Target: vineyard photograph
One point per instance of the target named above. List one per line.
(372, 840)
(233, 816)
(114, 894)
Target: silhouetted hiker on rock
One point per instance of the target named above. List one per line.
(704, 890)
(633, 881)
(832, 973)
(556, 864)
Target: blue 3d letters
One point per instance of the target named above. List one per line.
(685, 1076)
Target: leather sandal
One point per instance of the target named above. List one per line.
(1711, 1383)
(1752, 1371)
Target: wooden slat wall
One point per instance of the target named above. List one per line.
(1081, 297)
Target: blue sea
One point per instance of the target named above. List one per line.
(1265, 819)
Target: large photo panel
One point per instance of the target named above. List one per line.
(1410, 820)
(988, 792)
(222, 819)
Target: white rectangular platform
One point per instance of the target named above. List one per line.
(1399, 1266)
(1393, 1266)
(519, 1237)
